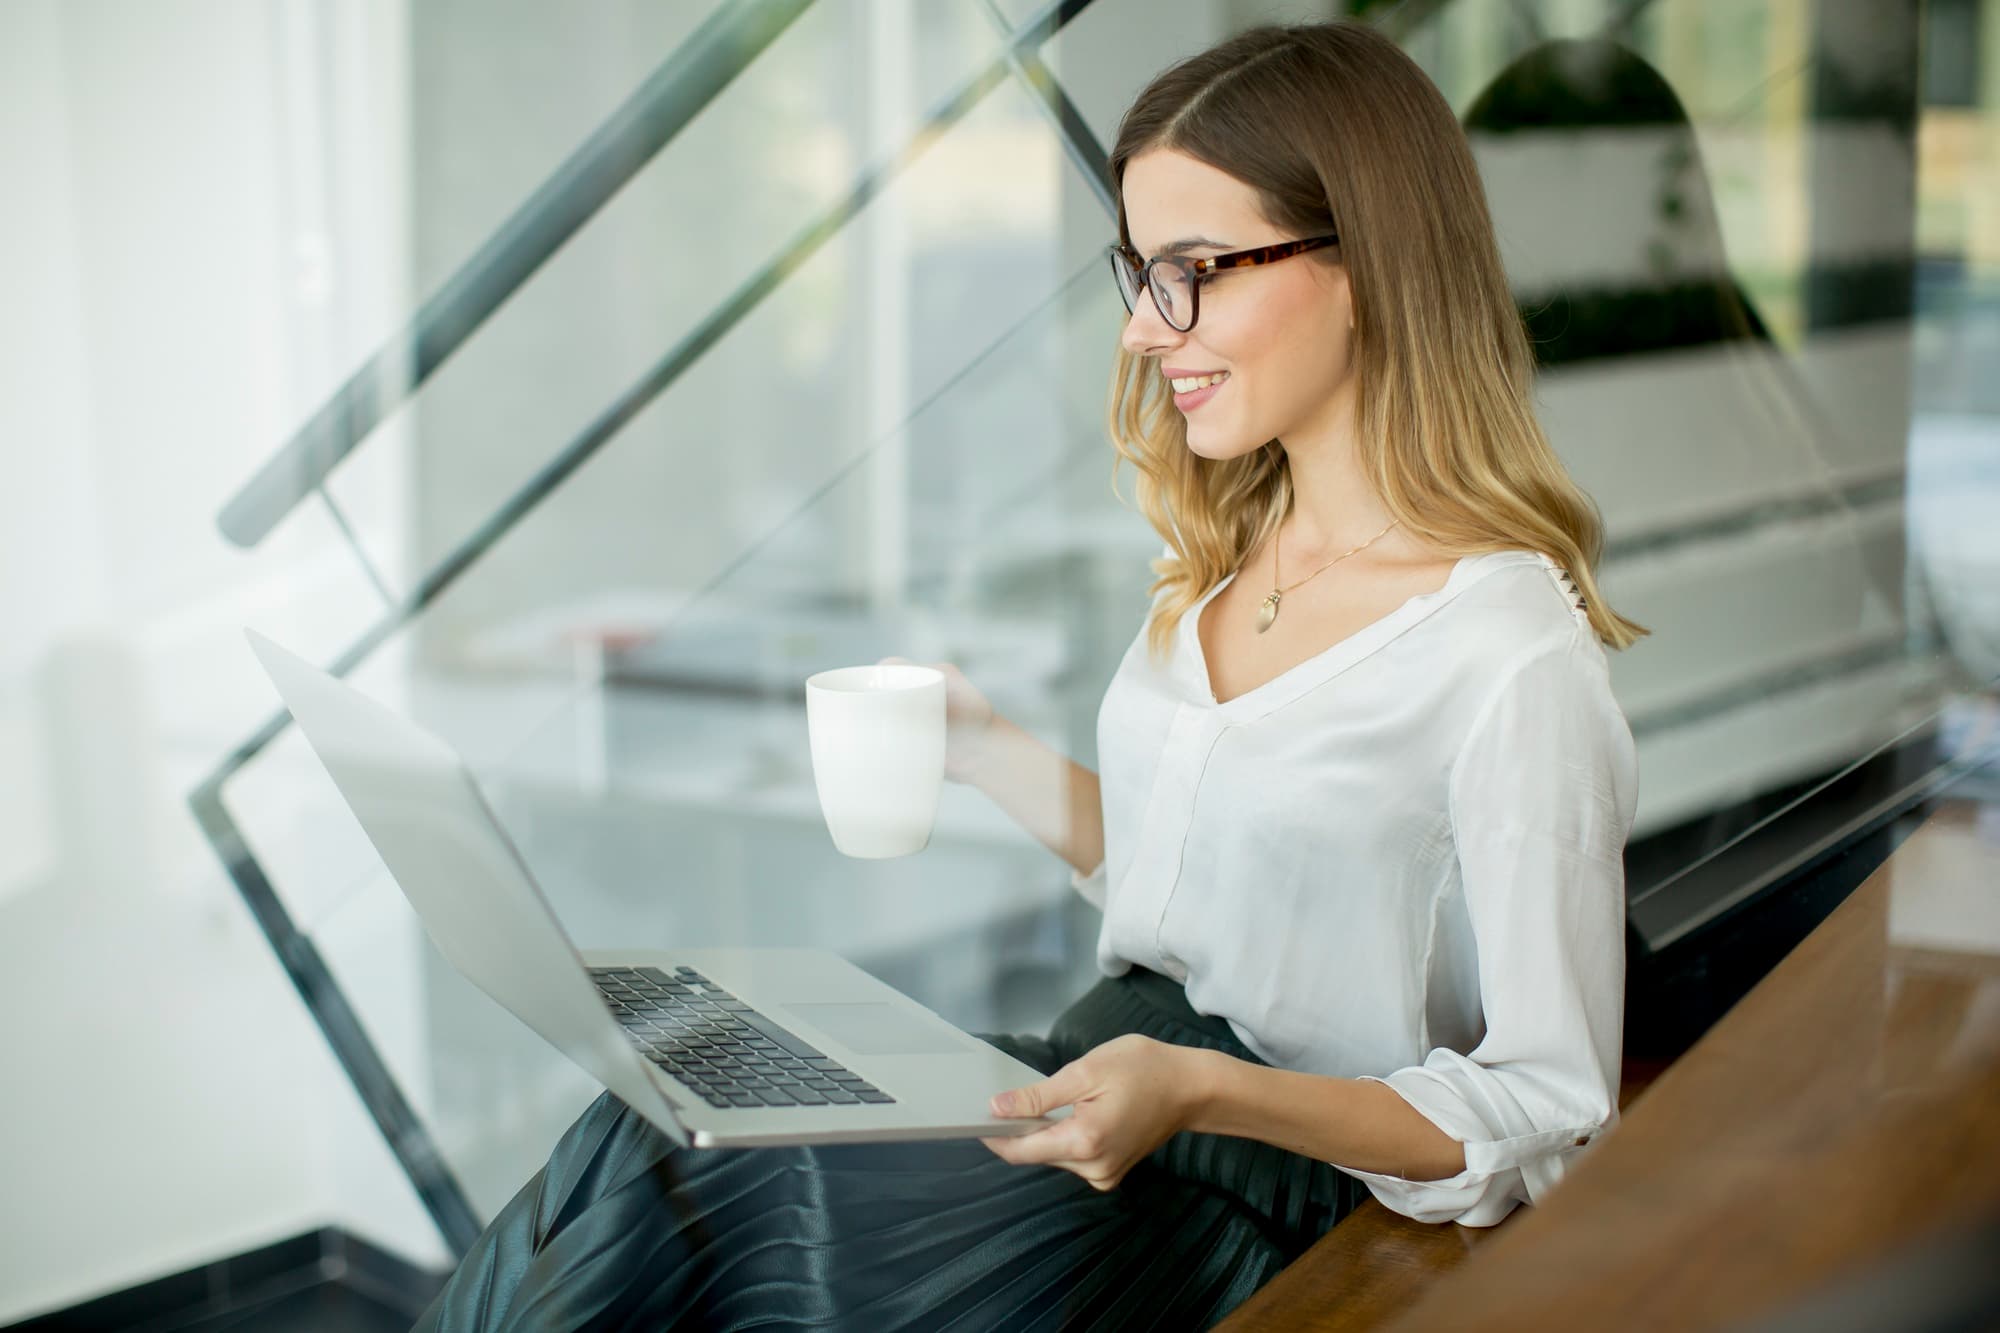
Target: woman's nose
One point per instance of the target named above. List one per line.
(1146, 331)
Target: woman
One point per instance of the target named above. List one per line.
(1360, 825)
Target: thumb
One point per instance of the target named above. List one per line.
(1058, 1089)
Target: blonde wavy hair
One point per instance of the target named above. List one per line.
(1336, 129)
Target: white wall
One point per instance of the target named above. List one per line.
(173, 302)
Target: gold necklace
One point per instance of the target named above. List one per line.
(1268, 614)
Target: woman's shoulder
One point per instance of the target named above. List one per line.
(1519, 603)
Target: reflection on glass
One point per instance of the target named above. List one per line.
(1771, 591)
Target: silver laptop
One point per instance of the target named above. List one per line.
(718, 1047)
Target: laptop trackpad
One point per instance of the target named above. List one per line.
(874, 1028)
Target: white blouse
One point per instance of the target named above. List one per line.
(1401, 860)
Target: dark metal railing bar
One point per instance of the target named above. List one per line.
(1079, 142)
(368, 568)
(408, 1138)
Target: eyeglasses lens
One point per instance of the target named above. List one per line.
(1172, 293)
(1128, 280)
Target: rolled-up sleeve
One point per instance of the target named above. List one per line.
(1542, 797)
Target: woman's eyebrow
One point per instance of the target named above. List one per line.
(1191, 243)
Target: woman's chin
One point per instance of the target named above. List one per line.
(1202, 445)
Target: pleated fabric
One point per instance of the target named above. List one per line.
(622, 1229)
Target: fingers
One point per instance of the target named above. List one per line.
(1075, 1149)
(1067, 1085)
(1047, 1148)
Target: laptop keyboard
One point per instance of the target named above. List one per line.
(721, 1047)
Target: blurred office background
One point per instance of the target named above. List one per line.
(577, 380)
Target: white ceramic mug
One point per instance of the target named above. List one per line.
(878, 735)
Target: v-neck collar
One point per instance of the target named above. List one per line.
(1288, 685)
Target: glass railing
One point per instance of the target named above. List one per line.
(615, 563)
(824, 381)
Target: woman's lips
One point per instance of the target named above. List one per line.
(1188, 402)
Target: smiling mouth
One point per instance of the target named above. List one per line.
(1194, 383)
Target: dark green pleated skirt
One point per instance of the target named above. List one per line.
(624, 1230)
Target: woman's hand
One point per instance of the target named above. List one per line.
(1131, 1095)
(968, 719)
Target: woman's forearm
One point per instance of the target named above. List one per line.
(1048, 793)
(1363, 1125)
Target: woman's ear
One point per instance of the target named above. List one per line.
(1346, 290)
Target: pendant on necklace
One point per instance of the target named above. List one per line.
(1269, 611)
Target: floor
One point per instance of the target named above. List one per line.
(323, 1281)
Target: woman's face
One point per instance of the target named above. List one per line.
(1279, 332)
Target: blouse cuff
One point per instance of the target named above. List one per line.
(1091, 886)
(1498, 1174)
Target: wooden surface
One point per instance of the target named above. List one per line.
(1359, 1275)
(1849, 1104)
(1378, 1260)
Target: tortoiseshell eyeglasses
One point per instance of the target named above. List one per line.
(1175, 281)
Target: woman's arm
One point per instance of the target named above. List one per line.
(1541, 798)
(1368, 1126)
(1049, 794)
(1133, 1093)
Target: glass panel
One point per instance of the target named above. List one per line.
(1751, 477)
(1106, 54)
(501, 96)
(309, 591)
(899, 452)
(787, 140)
(483, 1084)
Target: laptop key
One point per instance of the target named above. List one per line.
(875, 1095)
(842, 1097)
(779, 1035)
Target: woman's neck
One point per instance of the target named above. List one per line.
(1334, 507)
